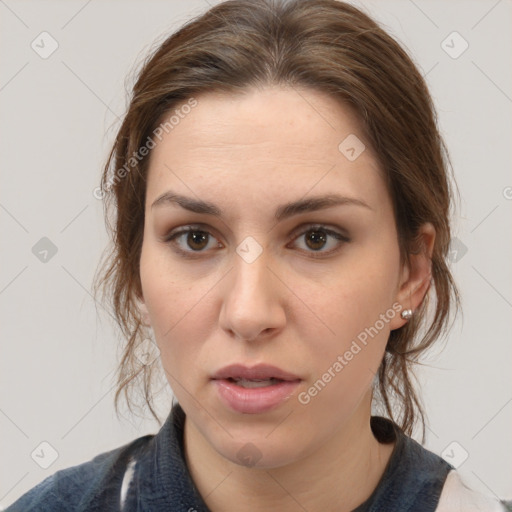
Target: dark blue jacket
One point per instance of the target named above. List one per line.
(159, 481)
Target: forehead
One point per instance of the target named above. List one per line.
(263, 140)
(305, 122)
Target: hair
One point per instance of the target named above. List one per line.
(324, 45)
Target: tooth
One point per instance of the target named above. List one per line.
(255, 383)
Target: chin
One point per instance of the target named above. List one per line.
(259, 451)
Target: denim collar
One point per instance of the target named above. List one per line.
(161, 479)
(413, 479)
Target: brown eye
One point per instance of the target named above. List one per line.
(197, 240)
(316, 239)
(192, 241)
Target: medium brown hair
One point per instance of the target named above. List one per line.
(325, 45)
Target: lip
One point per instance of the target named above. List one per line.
(260, 371)
(254, 400)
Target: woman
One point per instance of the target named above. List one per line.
(281, 205)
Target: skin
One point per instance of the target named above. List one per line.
(249, 154)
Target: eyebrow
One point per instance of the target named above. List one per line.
(284, 211)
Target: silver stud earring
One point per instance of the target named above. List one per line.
(407, 314)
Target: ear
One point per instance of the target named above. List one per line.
(144, 314)
(415, 277)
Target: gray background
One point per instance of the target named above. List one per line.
(59, 116)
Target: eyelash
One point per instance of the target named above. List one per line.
(170, 239)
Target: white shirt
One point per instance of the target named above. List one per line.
(457, 497)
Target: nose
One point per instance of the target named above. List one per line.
(252, 304)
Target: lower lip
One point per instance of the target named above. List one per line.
(254, 400)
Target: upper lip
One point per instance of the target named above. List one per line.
(258, 372)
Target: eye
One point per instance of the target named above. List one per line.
(193, 240)
(196, 239)
(317, 238)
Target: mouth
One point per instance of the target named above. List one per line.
(260, 372)
(254, 390)
(254, 383)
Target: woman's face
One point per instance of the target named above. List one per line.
(313, 292)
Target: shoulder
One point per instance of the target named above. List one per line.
(75, 487)
(419, 479)
(457, 497)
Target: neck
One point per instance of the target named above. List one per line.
(341, 475)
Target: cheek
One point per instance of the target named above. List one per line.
(354, 310)
(351, 298)
(175, 307)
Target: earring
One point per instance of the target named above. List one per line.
(407, 314)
